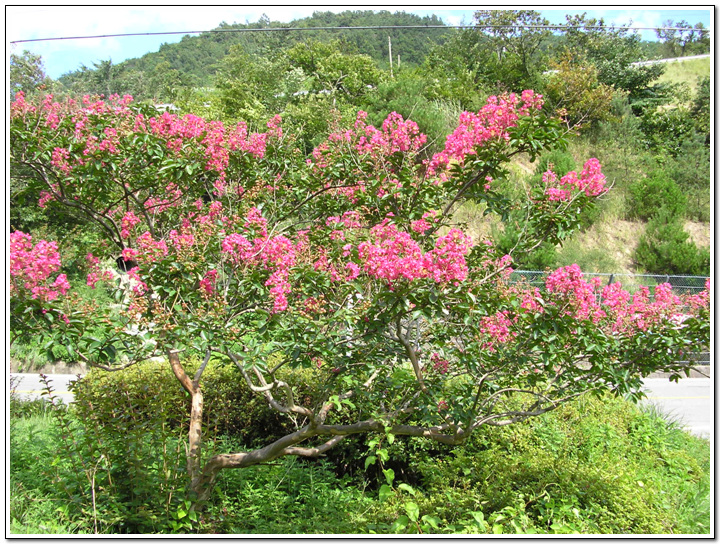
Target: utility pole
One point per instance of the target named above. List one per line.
(390, 55)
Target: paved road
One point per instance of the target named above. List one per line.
(689, 401)
(30, 386)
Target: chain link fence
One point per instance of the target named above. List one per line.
(681, 285)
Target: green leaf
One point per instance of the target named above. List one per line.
(385, 492)
(389, 475)
(370, 461)
(400, 525)
(413, 511)
(407, 487)
(433, 521)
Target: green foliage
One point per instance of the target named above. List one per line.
(700, 109)
(514, 57)
(559, 161)
(613, 52)
(598, 466)
(666, 129)
(681, 38)
(665, 249)
(653, 193)
(574, 90)
(151, 388)
(690, 169)
(195, 60)
(27, 74)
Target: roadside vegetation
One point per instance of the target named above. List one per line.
(598, 466)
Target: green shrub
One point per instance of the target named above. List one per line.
(545, 256)
(649, 195)
(561, 162)
(690, 169)
(597, 465)
(151, 387)
(665, 249)
(666, 129)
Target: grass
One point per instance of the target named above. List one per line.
(596, 466)
(686, 71)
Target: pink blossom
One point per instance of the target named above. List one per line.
(32, 265)
(207, 284)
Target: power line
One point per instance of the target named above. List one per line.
(408, 27)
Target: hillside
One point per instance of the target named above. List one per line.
(196, 57)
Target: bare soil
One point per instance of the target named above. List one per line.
(699, 233)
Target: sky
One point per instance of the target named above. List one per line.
(62, 56)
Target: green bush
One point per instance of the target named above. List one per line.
(665, 249)
(151, 388)
(690, 169)
(666, 129)
(594, 466)
(649, 195)
(561, 162)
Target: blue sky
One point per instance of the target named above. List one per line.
(28, 22)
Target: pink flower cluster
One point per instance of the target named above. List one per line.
(440, 364)
(127, 223)
(60, 158)
(613, 307)
(19, 107)
(591, 181)
(397, 135)
(568, 282)
(490, 123)
(96, 274)
(497, 330)
(276, 254)
(31, 267)
(207, 284)
(156, 205)
(392, 254)
(213, 139)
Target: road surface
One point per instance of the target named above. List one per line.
(689, 401)
(30, 386)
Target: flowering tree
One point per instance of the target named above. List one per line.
(345, 262)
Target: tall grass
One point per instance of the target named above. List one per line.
(685, 71)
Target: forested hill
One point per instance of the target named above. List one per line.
(196, 57)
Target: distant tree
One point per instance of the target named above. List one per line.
(680, 39)
(515, 41)
(455, 71)
(249, 86)
(613, 52)
(27, 73)
(331, 69)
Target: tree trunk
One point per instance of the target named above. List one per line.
(196, 412)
